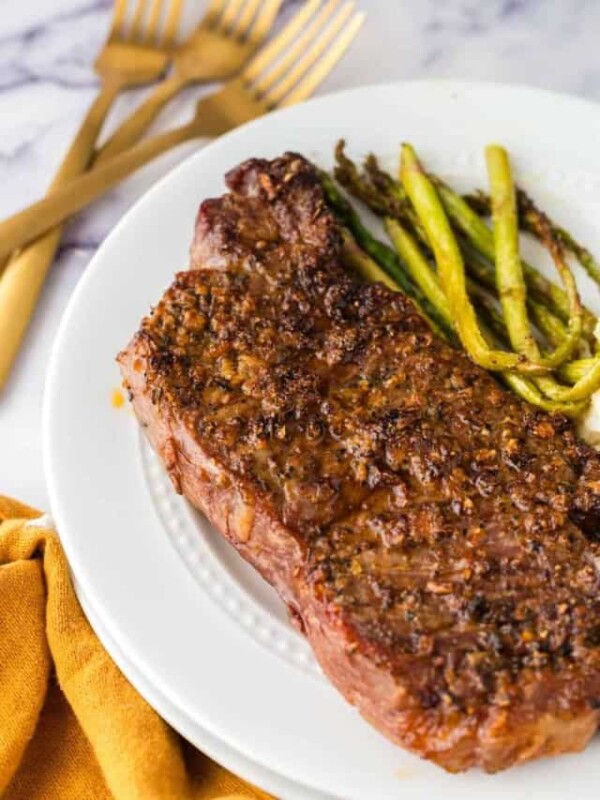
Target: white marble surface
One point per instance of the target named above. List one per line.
(46, 83)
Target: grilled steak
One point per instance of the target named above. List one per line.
(437, 539)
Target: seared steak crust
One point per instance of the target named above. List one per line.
(438, 538)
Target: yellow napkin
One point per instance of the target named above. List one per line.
(71, 726)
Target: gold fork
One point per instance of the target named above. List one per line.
(266, 83)
(136, 51)
(228, 34)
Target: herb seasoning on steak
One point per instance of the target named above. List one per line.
(437, 538)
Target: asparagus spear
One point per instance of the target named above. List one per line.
(584, 387)
(509, 276)
(481, 237)
(509, 266)
(495, 332)
(489, 313)
(528, 212)
(389, 187)
(360, 262)
(430, 211)
(528, 391)
(418, 266)
(509, 272)
(569, 372)
(575, 325)
(484, 274)
(530, 215)
(574, 371)
(549, 325)
(382, 203)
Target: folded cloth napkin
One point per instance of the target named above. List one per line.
(71, 726)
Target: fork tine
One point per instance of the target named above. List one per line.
(171, 24)
(118, 19)
(153, 20)
(264, 22)
(246, 17)
(231, 11)
(299, 47)
(213, 11)
(321, 70)
(138, 16)
(271, 51)
(319, 46)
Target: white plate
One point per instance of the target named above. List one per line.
(202, 636)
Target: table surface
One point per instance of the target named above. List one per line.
(46, 84)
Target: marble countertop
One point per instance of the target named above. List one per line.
(46, 84)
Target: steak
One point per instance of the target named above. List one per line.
(436, 538)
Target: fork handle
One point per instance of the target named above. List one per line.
(79, 154)
(138, 123)
(81, 150)
(79, 192)
(22, 280)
